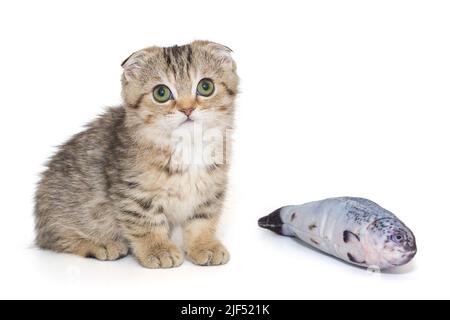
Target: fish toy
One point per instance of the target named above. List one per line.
(355, 230)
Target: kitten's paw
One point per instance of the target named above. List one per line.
(116, 250)
(109, 252)
(168, 256)
(210, 254)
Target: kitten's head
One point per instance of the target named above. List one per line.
(165, 89)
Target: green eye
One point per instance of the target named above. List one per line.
(205, 87)
(162, 93)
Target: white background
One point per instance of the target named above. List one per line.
(337, 98)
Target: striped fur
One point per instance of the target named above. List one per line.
(125, 182)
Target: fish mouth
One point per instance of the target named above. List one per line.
(411, 255)
(407, 257)
(410, 251)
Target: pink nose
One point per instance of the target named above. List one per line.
(187, 111)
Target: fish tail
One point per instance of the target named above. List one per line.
(272, 222)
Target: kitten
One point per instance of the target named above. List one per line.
(140, 169)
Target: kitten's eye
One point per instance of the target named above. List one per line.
(162, 93)
(205, 87)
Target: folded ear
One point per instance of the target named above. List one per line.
(133, 65)
(219, 50)
(223, 52)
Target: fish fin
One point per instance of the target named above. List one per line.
(355, 259)
(350, 237)
(272, 222)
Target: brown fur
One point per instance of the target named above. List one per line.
(126, 181)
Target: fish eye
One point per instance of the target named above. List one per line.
(397, 238)
(162, 93)
(205, 88)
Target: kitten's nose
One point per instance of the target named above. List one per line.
(187, 111)
(186, 105)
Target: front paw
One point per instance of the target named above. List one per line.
(163, 256)
(209, 254)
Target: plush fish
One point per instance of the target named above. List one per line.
(356, 230)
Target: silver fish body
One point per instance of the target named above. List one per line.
(356, 230)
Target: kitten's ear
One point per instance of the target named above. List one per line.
(220, 48)
(133, 65)
(220, 51)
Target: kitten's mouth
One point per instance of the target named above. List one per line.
(187, 121)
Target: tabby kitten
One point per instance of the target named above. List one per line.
(140, 169)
